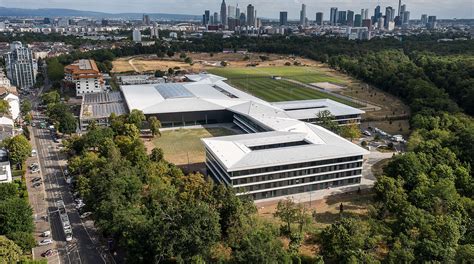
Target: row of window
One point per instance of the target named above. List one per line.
(306, 188)
(289, 174)
(294, 166)
(325, 177)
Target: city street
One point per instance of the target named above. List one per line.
(82, 248)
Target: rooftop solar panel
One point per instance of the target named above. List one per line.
(173, 90)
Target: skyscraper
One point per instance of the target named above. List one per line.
(223, 13)
(406, 17)
(216, 18)
(366, 14)
(146, 19)
(237, 12)
(424, 19)
(358, 21)
(319, 18)
(350, 18)
(303, 15)
(243, 19)
(333, 18)
(20, 65)
(389, 13)
(400, 12)
(377, 14)
(342, 17)
(207, 14)
(250, 15)
(431, 22)
(283, 18)
(230, 11)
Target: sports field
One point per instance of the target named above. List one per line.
(298, 73)
(258, 82)
(183, 146)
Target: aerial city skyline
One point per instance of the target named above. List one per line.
(443, 9)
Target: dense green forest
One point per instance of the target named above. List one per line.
(423, 210)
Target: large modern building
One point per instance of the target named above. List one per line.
(283, 18)
(98, 108)
(21, 66)
(280, 154)
(86, 76)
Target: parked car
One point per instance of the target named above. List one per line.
(367, 133)
(80, 205)
(36, 184)
(36, 179)
(47, 241)
(46, 234)
(47, 253)
(86, 214)
(34, 153)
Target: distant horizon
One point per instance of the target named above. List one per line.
(442, 9)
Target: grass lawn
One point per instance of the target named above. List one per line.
(179, 145)
(297, 73)
(258, 82)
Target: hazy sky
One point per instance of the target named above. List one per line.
(265, 8)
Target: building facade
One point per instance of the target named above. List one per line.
(86, 77)
(21, 66)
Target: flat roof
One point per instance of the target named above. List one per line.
(307, 109)
(240, 152)
(102, 105)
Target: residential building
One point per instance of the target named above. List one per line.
(86, 76)
(319, 18)
(146, 20)
(424, 19)
(4, 81)
(283, 18)
(5, 169)
(20, 65)
(431, 22)
(137, 35)
(155, 32)
(243, 19)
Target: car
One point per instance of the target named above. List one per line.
(47, 253)
(367, 133)
(78, 200)
(47, 241)
(86, 214)
(36, 179)
(80, 205)
(36, 184)
(34, 153)
(34, 165)
(68, 237)
(35, 170)
(46, 234)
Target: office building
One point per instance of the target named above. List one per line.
(319, 18)
(350, 18)
(342, 17)
(424, 19)
(431, 22)
(283, 18)
(389, 15)
(303, 15)
(333, 18)
(276, 155)
(243, 19)
(358, 20)
(237, 12)
(359, 33)
(367, 23)
(146, 20)
(20, 66)
(137, 35)
(364, 13)
(206, 18)
(400, 8)
(231, 12)
(223, 13)
(63, 22)
(381, 23)
(216, 18)
(377, 14)
(86, 76)
(250, 15)
(406, 18)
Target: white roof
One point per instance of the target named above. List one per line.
(210, 92)
(308, 109)
(6, 121)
